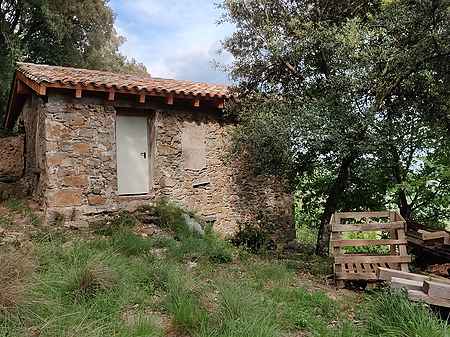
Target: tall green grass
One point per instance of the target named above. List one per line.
(89, 287)
(391, 314)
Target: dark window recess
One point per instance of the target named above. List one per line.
(201, 183)
(210, 220)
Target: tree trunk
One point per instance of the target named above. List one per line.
(335, 192)
(404, 206)
(402, 202)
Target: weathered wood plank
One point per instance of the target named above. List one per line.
(416, 295)
(368, 227)
(437, 289)
(362, 243)
(350, 215)
(372, 259)
(387, 274)
(356, 276)
(400, 283)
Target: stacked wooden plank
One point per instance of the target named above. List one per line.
(433, 243)
(434, 291)
(364, 266)
(429, 238)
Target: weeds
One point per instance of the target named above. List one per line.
(195, 247)
(242, 312)
(252, 238)
(171, 216)
(115, 223)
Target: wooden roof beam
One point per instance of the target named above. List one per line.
(196, 102)
(78, 92)
(22, 88)
(111, 95)
(39, 89)
(221, 103)
(169, 99)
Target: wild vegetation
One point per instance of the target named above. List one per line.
(177, 283)
(348, 102)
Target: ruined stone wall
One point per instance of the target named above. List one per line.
(187, 159)
(12, 156)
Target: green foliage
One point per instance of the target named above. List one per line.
(392, 314)
(19, 206)
(378, 250)
(191, 245)
(91, 288)
(344, 102)
(171, 216)
(115, 223)
(143, 327)
(131, 244)
(188, 314)
(309, 263)
(209, 246)
(304, 310)
(251, 237)
(87, 280)
(57, 32)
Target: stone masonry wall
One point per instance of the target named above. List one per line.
(80, 167)
(221, 191)
(12, 156)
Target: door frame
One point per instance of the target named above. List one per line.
(151, 141)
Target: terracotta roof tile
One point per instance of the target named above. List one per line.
(47, 75)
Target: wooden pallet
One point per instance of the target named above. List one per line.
(364, 266)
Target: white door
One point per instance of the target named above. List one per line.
(132, 155)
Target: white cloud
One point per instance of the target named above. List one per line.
(173, 38)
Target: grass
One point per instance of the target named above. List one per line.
(392, 314)
(16, 267)
(124, 285)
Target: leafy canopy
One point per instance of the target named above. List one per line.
(58, 32)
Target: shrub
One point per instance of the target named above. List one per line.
(252, 238)
(208, 246)
(15, 267)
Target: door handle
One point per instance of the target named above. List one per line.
(144, 154)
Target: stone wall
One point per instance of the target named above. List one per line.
(11, 156)
(187, 159)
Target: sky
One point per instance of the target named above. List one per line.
(177, 39)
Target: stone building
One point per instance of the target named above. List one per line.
(98, 141)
